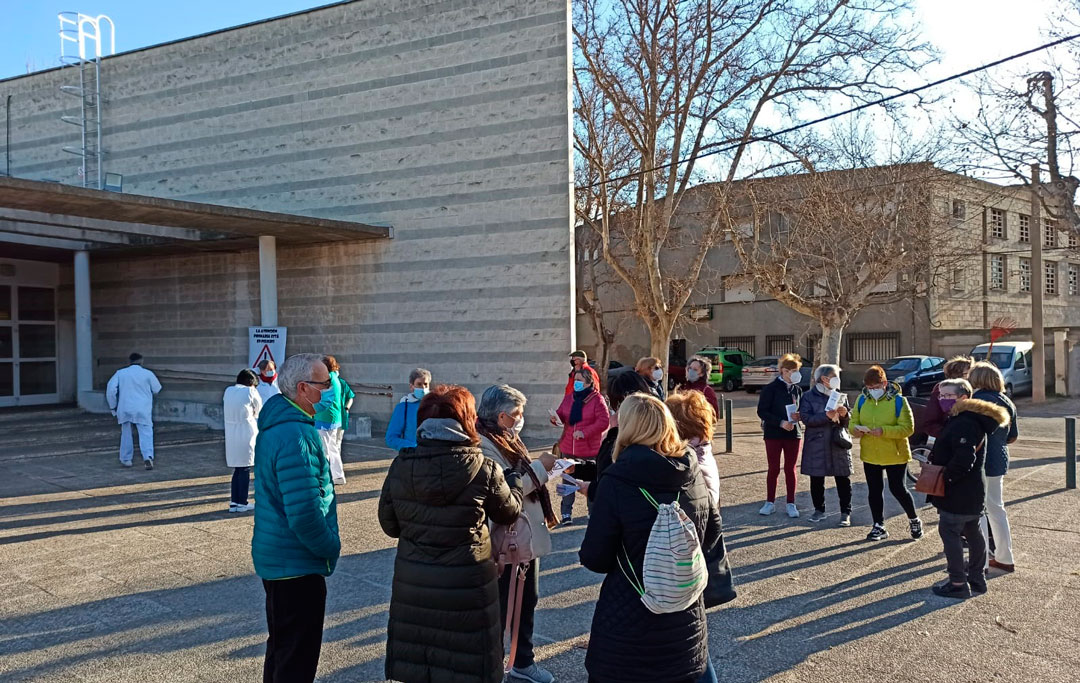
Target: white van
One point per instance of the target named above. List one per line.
(1014, 361)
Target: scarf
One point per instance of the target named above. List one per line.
(579, 404)
(510, 447)
(267, 380)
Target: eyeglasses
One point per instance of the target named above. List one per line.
(324, 385)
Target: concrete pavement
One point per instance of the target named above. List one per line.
(109, 574)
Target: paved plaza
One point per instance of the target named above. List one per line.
(112, 574)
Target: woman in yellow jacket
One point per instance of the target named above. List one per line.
(881, 417)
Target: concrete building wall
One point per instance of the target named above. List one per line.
(447, 122)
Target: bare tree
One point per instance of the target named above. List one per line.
(592, 281)
(659, 83)
(829, 244)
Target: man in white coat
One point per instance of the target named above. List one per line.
(131, 399)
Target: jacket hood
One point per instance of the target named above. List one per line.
(409, 398)
(644, 467)
(892, 390)
(990, 415)
(279, 410)
(444, 462)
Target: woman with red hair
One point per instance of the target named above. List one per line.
(445, 620)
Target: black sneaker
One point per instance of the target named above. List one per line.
(567, 519)
(916, 527)
(877, 533)
(977, 587)
(950, 590)
(149, 464)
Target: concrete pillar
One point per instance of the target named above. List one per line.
(1061, 362)
(84, 352)
(268, 280)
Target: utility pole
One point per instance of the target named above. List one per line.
(1038, 354)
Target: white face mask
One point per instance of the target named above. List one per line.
(823, 389)
(519, 424)
(877, 393)
(795, 377)
(834, 382)
(657, 375)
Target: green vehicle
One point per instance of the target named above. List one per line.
(727, 365)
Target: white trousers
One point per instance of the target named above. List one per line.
(999, 522)
(331, 443)
(127, 445)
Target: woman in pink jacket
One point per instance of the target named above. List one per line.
(585, 417)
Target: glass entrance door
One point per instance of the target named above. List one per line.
(27, 345)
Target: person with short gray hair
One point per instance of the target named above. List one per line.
(401, 432)
(295, 544)
(822, 454)
(500, 419)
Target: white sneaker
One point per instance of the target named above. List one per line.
(767, 509)
(339, 482)
(236, 507)
(792, 511)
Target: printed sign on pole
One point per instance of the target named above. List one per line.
(266, 343)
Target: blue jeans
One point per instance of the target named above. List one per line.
(710, 674)
(241, 480)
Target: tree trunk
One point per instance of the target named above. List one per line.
(605, 353)
(829, 348)
(660, 340)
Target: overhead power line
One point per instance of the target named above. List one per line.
(845, 112)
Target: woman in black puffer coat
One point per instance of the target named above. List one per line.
(445, 623)
(628, 643)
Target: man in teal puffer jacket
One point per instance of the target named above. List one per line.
(295, 544)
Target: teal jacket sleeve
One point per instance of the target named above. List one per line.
(302, 500)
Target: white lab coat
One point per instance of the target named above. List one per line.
(130, 394)
(267, 390)
(242, 406)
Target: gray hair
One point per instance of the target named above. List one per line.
(826, 370)
(706, 365)
(962, 386)
(419, 373)
(500, 398)
(297, 369)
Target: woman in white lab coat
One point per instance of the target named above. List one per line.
(242, 406)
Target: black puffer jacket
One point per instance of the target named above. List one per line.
(772, 409)
(961, 449)
(445, 624)
(821, 457)
(629, 643)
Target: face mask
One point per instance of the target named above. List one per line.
(326, 399)
(795, 377)
(834, 382)
(946, 404)
(692, 375)
(657, 375)
(823, 389)
(420, 392)
(270, 374)
(519, 424)
(877, 393)
(579, 386)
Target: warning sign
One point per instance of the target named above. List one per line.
(266, 343)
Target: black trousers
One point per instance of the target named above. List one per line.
(241, 481)
(294, 618)
(529, 598)
(897, 486)
(843, 491)
(954, 530)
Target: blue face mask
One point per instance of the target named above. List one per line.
(326, 399)
(579, 386)
(420, 392)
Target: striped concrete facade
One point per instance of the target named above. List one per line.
(449, 123)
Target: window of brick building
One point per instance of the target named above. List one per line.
(1050, 232)
(997, 272)
(872, 347)
(959, 209)
(1074, 279)
(1073, 243)
(1025, 275)
(1025, 228)
(1050, 272)
(997, 223)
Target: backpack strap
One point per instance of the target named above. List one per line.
(859, 403)
(899, 405)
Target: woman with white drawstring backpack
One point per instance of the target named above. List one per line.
(652, 496)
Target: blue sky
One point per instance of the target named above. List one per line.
(28, 28)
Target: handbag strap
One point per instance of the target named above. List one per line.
(513, 613)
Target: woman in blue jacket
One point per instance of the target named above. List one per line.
(402, 430)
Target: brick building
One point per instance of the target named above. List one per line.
(409, 161)
(951, 317)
